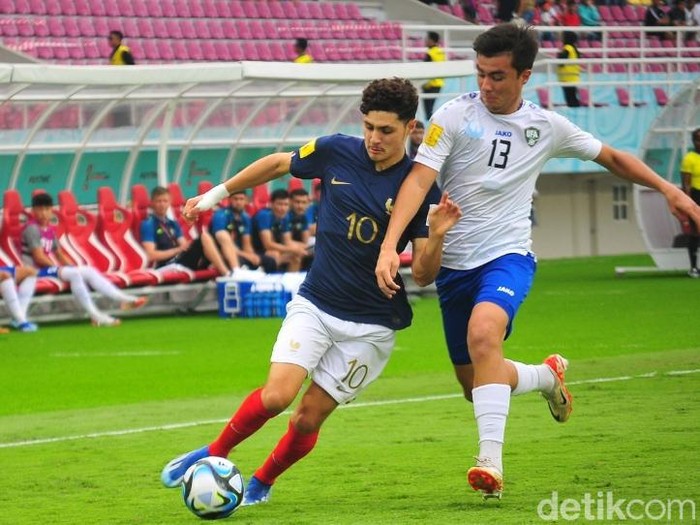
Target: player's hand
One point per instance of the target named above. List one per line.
(386, 270)
(443, 216)
(683, 207)
(190, 211)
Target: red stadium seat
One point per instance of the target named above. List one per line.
(623, 98)
(140, 205)
(660, 96)
(584, 97)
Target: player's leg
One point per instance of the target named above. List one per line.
(302, 433)
(301, 342)
(210, 251)
(81, 292)
(357, 357)
(103, 286)
(8, 291)
(25, 277)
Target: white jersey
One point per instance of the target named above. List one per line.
(489, 165)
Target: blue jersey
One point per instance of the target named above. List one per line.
(164, 233)
(353, 214)
(298, 224)
(237, 224)
(312, 213)
(266, 220)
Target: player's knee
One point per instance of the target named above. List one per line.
(306, 422)
(276, 401)
(481, 342)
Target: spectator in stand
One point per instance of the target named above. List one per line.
(40, 249)
(690, 178)
(655, 16)
(469, 8)
(415, 138)
(299, 223)
(570, 17)
(547, 19)
(17, 285)
(695, 13)
(505, 9)
(231, 227)
(434, 53)
(272, 234)
(681, 16)
(570, 73)
(590, 17)
(527, 11)
(301, 49)
(121, 55)
(166, 246)
(312, 210)
(557, 11)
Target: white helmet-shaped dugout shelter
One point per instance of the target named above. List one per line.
(664, 146)
(79, 128)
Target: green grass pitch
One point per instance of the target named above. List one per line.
(88, 417)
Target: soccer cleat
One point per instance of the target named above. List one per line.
(106, 320)
(486, 478)
(256, 492)
(4, 330)
(27, 327)
(135, 304)
(560, 400)
(694, 273)
(173, 472)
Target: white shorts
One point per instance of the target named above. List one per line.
(342, 357)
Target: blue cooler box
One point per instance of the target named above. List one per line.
(251, 299)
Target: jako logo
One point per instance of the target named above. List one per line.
(506, 290)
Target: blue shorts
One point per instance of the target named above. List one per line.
(504, 281)
(8, 269)
(49, 271)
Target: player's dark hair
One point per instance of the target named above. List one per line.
(520, 42)
(158, 191)
(302, 43)
(118, 34)
(419, 124)
(279, 194)
(41, 200)
(297, 192)
(394, 95)
(239, 192)
(434, 36)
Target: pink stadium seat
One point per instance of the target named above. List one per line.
(182, 9)
(56, 27)
(10, 29)
(39, 25)
(76, 50)
(290, 11)
(215, 29)
(271, 29)
(7, 7)
(168, 7)
(196, 10)
(160, 29)
(235, 50)
(187, 28)
(584, 97)
(303, 11)
(173, 27)
(484, 15)
(210, 10)
(328, 11)
(250, 51)
(145, 28)
(209, 51)
(222, 52)
(250, 9)
(243, 29)
(201, 29)
(277, 50)
(102, 26)
(230, 30)
(264, 10)
(140, 8)
(224, 10)
(97, 8)
(194, 50)
(631, 14)
(605, 14)
(130, 28)
(354, 11)
(180, 50)
(341, 11)
(151, 50)
(53, 7)
(236, 9)
(276, 10)
(155, 10)
(660, 96)
(86, 26)
(256, 30)
(263, 50)
(623, 98)
(315, 10)
(36, 7)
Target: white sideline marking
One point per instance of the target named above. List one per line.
(176, 426)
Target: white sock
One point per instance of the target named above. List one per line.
(25, 292)
(491, 403)
(102, 285)
(80, 290)
(532, 377)
(9, 294)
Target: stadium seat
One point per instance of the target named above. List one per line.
(210, 10)
(660, 96)
(623, 98)
(295, 183)
(140, 9)
(140, 205)
(584, 97)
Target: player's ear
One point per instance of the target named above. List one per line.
(525, 75)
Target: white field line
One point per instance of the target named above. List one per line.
(136, 353)
(175, 426)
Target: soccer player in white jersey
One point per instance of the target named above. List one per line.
(339, 329)
(486, 149)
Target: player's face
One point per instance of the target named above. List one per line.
(696, 142)
(160, 205)
(385, 138)
(42, 214)
(238, 201)
(299, 204)
(280, 207)
(500, 85)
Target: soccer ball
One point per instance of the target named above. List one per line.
(212, 488)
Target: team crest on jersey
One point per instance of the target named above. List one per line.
(307, 149)
(532, 136)
(389, 205)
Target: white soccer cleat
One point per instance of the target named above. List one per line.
(486, 478)
(560, 400)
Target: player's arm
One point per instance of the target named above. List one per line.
(411, 195)
(62, 257)
(259, 172)
(269, 244)
(685, 181)
(155, 255)
(427, 253)
(627, 166)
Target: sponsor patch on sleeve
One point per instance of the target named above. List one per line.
(433, 135)
(307, 149)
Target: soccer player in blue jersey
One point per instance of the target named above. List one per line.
(339, 329)
(232, 228)
(486, 149)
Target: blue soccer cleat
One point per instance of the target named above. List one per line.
(173, 472)
(256, 492)
(27, 327)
